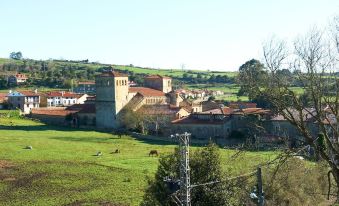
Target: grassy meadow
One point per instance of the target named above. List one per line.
(63, 169)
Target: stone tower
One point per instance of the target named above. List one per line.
(159, 82)
(111, 97)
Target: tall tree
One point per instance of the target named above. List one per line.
(15, 55)
(252, 68)
(315, 57)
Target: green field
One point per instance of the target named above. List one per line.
(173, 72)
(62, 167)
(137, 70)
(230, 91)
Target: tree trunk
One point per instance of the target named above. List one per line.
(335, 173)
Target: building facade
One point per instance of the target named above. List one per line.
(158, 82)
(24, 100)
(62, 99)
(111, 97)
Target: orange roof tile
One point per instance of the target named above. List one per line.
(20, 76)
(53, 112)
(146, 92)
(29, 93)
(62, 94)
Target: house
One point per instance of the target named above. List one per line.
(85, 87)
(218, 122)
(24, 100)
(62, 98)
(17, 79)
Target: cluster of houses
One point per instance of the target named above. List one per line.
(27, 101)
(199, 93)
(105, 103)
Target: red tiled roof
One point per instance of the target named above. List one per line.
(146, 92)
(112, 74)
(157, 76)
(20, 76)
(53, 112)
(62, 94)
(29, 93)
(227, 110)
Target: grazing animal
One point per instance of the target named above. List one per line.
(28, 147)
(99, 153)
(153, 152)
(117, 151)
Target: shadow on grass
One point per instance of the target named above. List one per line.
(44, 128)
(152, 140)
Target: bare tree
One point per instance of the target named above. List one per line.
(313, 60)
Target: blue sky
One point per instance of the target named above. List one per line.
(201, 34)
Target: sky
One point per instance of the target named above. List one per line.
(190, 34)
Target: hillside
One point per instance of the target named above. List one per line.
(97, 66)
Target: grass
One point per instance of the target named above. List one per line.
(137, 70)
(40, 89)
(62, 167)
(230, 91)
(173, 72)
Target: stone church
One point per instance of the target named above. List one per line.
(113, 94)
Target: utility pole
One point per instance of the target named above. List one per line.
(185, 181)
(260, 190)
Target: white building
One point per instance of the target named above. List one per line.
(62, 98)
(24, 100)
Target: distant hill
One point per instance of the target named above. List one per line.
(65, 73)
(84, 64)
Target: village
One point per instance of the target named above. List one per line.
(169, 103)
(113, 102)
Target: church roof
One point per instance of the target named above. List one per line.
(112, 74)
(146, 92)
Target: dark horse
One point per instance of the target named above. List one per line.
(153, 152)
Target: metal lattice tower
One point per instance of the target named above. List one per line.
(185, 181)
